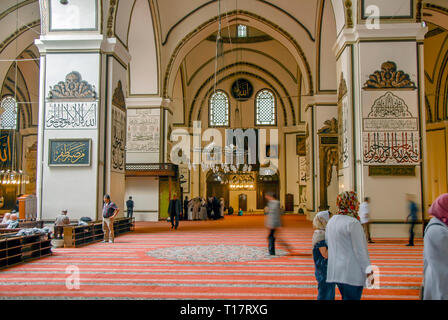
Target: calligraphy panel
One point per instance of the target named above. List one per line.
(118, 139)
(184, 177)
(69, 152)
(390, 132)
(143, 130)
(71, 115)
(391, 147)
(6, 141)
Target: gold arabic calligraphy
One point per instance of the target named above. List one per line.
(5, 149)
(69, 152)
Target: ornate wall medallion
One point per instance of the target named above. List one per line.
(242, 89)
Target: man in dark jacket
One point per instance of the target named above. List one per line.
(185, 212)
(174, 210)
(130, 206)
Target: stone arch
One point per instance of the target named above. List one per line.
(266, 26)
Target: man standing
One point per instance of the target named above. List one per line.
(174, 210)
(110, 211)
(130, 207)
(61, 221)
(412, 217)
(364, 212)
(185, 212)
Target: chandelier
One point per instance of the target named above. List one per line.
(12, 177)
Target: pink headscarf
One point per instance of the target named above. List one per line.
(439, 208)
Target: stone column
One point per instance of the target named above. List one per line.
(380, 91)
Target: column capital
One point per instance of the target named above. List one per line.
(386, 31)
(144, 102)
(69, 42)
(112, 46)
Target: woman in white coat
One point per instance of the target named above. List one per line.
(348, 258)
(435, 252)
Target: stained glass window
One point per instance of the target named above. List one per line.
(219, 109)
(8, 113)
(242, 31)
(265, 108)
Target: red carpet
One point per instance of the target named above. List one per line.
(224, 259)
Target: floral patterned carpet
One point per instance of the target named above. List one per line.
(224, 259)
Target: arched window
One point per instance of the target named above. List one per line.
(219, 109)
(265, 113)
(8, 113)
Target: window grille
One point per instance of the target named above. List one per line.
(265, 108)
(219, 109)
(8, 116)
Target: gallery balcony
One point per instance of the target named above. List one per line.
(151, 170)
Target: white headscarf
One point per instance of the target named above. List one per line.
(320, 223)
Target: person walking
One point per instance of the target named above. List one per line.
(411, 218)
(185, 211)
(435, 252)
(174, 210)
(110, 211)
(348, 257)
(273, 222)
(364, 216)
(326, 291)
(130, 207)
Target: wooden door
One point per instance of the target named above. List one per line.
(289, 203)
(242, 202)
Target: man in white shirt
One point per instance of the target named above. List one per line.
(364, 212)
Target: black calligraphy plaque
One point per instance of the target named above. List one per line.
(69, 152)
(407, 171)
(6, 141)
(242, 89)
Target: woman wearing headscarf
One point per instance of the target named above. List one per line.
(320, 257)
(435, 252)
(348, 258)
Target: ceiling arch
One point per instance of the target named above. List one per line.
(258, 22)
(249, 74)
(258, 68)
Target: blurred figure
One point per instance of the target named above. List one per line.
(230, 212)
(348, 257)
(174, 210)
(326, 291)
(412, 217)
(6, 218)
(13, 223)
(130, 207)
(273, 222)
(185, 211)
(240, 212)
(221, 208)
(435, 253)
(203, 211)
(61, 220)
(364, 216)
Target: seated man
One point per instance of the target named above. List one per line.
(6, 218)
(61, 221)
(13, 223)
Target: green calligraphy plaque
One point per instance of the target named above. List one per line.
(407, 171)
(69, 152)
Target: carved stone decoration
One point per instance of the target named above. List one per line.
(72, 88)
(118, 98)
(110, 19)
(342, 124)
(419, 11)
(389, 78)
(118, 140)
(328, 158)
(43, 13)
(30, 168)
(348, 14)
(330, 126)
